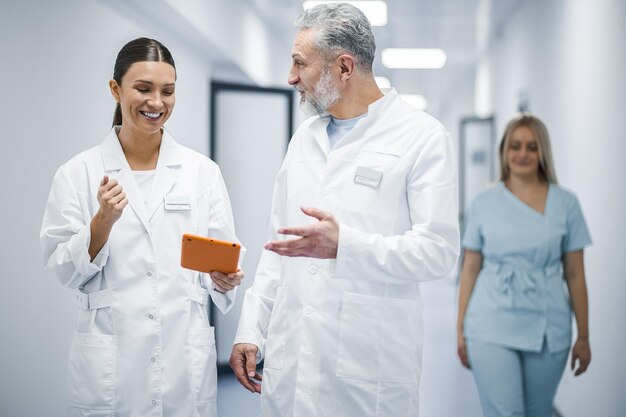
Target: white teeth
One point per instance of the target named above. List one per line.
(151, 115)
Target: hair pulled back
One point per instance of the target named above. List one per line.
(137, 50)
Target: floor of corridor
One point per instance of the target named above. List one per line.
(447, 389)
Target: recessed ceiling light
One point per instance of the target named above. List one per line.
(416, 100)
(413, 58)
(375, 10)
(382, 82)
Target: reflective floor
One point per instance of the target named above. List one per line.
(447, 389)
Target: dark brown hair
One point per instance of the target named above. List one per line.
(137, 50)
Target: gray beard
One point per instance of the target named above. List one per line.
(325, 95)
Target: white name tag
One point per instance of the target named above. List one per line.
(177, 203)
(368, 176)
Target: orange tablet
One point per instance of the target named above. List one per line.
(206, 254)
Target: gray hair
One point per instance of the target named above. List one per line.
(341, 27)
(546, 166)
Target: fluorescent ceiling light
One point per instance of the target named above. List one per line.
(416, 100)
(413, 58)
(375, 10)
(382, 82)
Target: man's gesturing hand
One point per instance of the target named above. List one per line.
(317, 240)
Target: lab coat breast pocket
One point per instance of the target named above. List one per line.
(91, 375)
(376, 185)
(201, 358)
(277, 332)
(378, 339)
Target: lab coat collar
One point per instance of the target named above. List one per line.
(167, 170)
(114, 158)
(319, 126)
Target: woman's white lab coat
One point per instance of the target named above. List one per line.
(344, 337)
(142, 344)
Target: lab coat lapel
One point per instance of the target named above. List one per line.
(168, 168)
(318, 127)
(116, 166)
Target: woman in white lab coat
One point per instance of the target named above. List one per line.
(112, 231)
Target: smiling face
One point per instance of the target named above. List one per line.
(146, 96)
(523, 153)
(312, 76)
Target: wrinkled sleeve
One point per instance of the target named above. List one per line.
(429, 250)
(472, 235)
(222, 226)
(65, 234)
(260, 297)
(577, 235)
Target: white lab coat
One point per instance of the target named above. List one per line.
(142, 344)
(344, 336)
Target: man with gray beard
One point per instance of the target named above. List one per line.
(364, 209)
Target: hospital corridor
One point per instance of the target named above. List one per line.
(400, 208)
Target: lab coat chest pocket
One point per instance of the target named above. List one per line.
(91, 375)
(378, 339)
(177, 211)
(201, 359)
(376, 182)
(277, 332)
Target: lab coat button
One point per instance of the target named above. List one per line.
(151, 317)
(149, 273)
(153, 359)
(153, 402)
(312, 269)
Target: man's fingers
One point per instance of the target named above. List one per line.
(315, 212)
(237, 363)
(295, 230)
(251, 368)
(250, 362)
(243, 363)
(299, 243)
(105, 179)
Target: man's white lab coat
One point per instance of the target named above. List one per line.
(142, 344)
(344, 337)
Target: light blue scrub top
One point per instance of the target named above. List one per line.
(520, 295)
(338, 128)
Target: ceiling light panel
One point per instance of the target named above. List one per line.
(413, 58)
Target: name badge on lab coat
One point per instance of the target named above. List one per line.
(177, 203)
(368, 176)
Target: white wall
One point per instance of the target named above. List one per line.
(57, 59)
(568, 58)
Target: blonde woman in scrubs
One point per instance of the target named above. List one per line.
(523, 240)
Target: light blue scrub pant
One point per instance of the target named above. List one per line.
(515, 383)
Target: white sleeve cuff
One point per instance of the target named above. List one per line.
(223, 301)
(78, 248)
